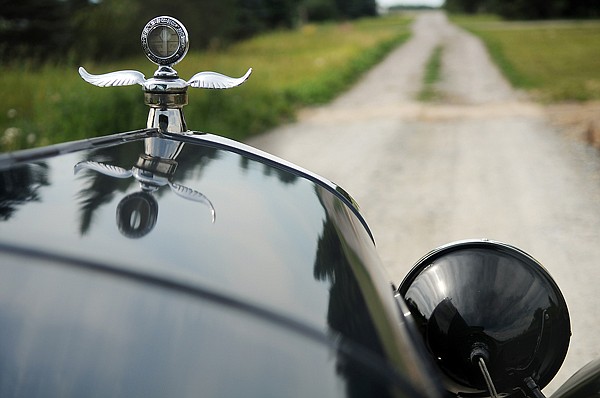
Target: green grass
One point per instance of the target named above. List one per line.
(290, 69)
(553, 60)
(432, 76)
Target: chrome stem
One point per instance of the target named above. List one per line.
(166, 120)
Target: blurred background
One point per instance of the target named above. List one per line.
(304, 52)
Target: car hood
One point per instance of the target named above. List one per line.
(281, 258)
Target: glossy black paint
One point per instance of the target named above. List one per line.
(112, 288)
(483, 299)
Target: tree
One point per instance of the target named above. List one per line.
(352, 9)
(319, 10)
(528, 9)
(33, 28)
(322, 10)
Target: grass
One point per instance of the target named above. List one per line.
(290, 69)
(553, 60)
(431, 76)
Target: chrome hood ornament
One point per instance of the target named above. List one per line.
(165, 43)
(154, 169)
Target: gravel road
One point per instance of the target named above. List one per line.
(484, 162)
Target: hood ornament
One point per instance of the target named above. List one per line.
(165, 43)
(154, 169)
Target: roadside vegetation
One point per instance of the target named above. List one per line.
(431, 76)
(291, 68)
(554, 60)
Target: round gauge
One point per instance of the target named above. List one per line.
(165, 41)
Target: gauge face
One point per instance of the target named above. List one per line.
(165, 41)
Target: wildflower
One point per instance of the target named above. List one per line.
(10, 136)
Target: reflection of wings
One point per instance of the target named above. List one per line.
(216, 80)
(119, 78)
(190, 194)
(106, 169)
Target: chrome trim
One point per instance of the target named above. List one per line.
(214, 80)
(166, 120)
(242, 149)
(166, 24)
(119, 78)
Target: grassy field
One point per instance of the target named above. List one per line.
(291, 69)
(553, 60)
(431, 76)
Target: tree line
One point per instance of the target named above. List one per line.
(528, 9)
(102, 29)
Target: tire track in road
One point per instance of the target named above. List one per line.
(483, 163)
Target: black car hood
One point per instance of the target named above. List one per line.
(258, 240)
(266, 229)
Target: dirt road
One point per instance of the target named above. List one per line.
(483, 163)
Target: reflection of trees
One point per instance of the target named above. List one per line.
(190, 163)
(101, 188)
(529, 360)
(284, 176)
(20, 185)
(348, 313)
